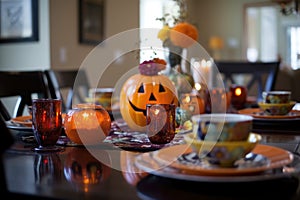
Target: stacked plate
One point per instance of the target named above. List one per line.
(180, 162)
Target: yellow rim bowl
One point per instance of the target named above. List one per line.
(222, 153)
(276, 109)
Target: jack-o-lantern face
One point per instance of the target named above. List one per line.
(140, 90)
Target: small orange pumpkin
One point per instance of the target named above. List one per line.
(148, 87)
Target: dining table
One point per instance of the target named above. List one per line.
(122, 167)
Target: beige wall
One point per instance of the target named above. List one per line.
(213, 17)
(59, 31)
(223, 18)
(29, 55)
(120, 16)
(59, 47)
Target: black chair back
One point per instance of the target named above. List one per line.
(23, 85)
(61, 81)
(256, 70)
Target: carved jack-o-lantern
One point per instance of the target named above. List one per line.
(146, 88)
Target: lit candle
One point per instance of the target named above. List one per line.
(202, 71)
(195, 63)
(206, 72)
(238, 96)
(160, 122)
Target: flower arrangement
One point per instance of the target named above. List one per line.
(152, 67)
(176, 32)
(167, 35)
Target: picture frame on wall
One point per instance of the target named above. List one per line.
(91, 21)
(18, 21)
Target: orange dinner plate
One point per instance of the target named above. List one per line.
(258, 113)
(26, 120)
(23, 120)
(168, 157)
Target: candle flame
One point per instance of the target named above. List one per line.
(197, 86)
(156, 111)
(238, 91)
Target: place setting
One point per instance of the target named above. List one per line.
(275, 105)
(221, 148)
(21, 123)
(274, 113)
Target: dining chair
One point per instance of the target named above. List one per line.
(256, 76)
(61, 85)
(24, 86)
(6, 141)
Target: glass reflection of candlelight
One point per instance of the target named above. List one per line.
(86, 171)
(44, 116)
(198, 86)
(47, 168)
(156, 112)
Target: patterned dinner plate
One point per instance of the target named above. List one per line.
(168, 162)
(258, 113)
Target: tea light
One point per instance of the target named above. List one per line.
(160, 123)
(238, 96)
(87, 124)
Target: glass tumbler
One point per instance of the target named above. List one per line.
(46, 123)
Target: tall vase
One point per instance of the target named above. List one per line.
(182, 80)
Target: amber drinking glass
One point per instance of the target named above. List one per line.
(161, 123)
(46, 123)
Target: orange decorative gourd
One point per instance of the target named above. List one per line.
(148, 87)
(87, 124)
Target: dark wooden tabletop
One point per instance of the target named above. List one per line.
(75, 173)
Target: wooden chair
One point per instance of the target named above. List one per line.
(260, 74)
(23, 85)
(61, 85)
(6, 141)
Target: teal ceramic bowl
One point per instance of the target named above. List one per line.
(222, 126)
(276, 109)
(223, 154)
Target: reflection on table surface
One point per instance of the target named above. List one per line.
(110, 173)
